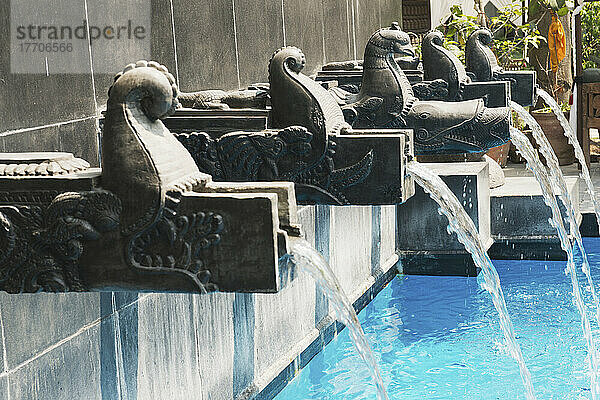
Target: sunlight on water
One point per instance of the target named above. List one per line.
(309, 260)
(462, 225)
(535, 165)
(559, 185)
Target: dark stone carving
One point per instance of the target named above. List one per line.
(153, 223)
(479, 58)
(306, 143)
(482, 64)
(219, 99)
(387, 100)
(40, 247)
(179, 243)
(444, 77)
(431, 90)
(298, 100)
(440, 63)
(302, 151)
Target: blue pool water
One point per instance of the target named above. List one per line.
(439, 338)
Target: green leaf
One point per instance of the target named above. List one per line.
(563, 11)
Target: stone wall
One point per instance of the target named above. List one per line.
(218, 346)
(221, 44)
(164, 346)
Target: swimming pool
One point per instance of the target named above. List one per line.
(439, 338)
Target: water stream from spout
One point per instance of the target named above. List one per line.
(309, 260)
(570, 134)
(535, 165)
(559, 185)
(460, 223)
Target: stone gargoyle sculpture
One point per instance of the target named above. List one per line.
(443, 77)
(348, 74)
(441, 65)
(482, 66)
(386, 100)
(309, 143)
(149, 220)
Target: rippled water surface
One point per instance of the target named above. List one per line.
(439, 338)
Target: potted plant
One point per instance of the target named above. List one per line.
(555, 133)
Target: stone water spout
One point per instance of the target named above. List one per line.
(307, 142)
(386, 100)
(441, 65)
(149, 220)
(482, 66)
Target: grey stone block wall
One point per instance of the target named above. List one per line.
(219, 346)
(220, 44)
(152, 346)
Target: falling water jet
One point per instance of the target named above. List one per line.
(560, 186)
(460, 222)
(535, 165)
(570, 134)
(309, 260)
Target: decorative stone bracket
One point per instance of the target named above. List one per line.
(148, 221)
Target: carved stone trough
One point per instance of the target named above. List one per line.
(149, 220)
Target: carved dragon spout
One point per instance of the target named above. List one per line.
(441, 64)
(386, 99)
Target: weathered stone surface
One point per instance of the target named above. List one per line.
(367, 19)
(259, 33)
(391, 10)
(45, 329)
(63, 371)
(304, 28)
(206, 51)
(424, 244)
(351, 225)
(169, 359)
(338, 30)
(519, 220)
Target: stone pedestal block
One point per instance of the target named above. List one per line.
(424, 245)
(519, 220)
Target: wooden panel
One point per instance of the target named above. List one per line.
(416, 16)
